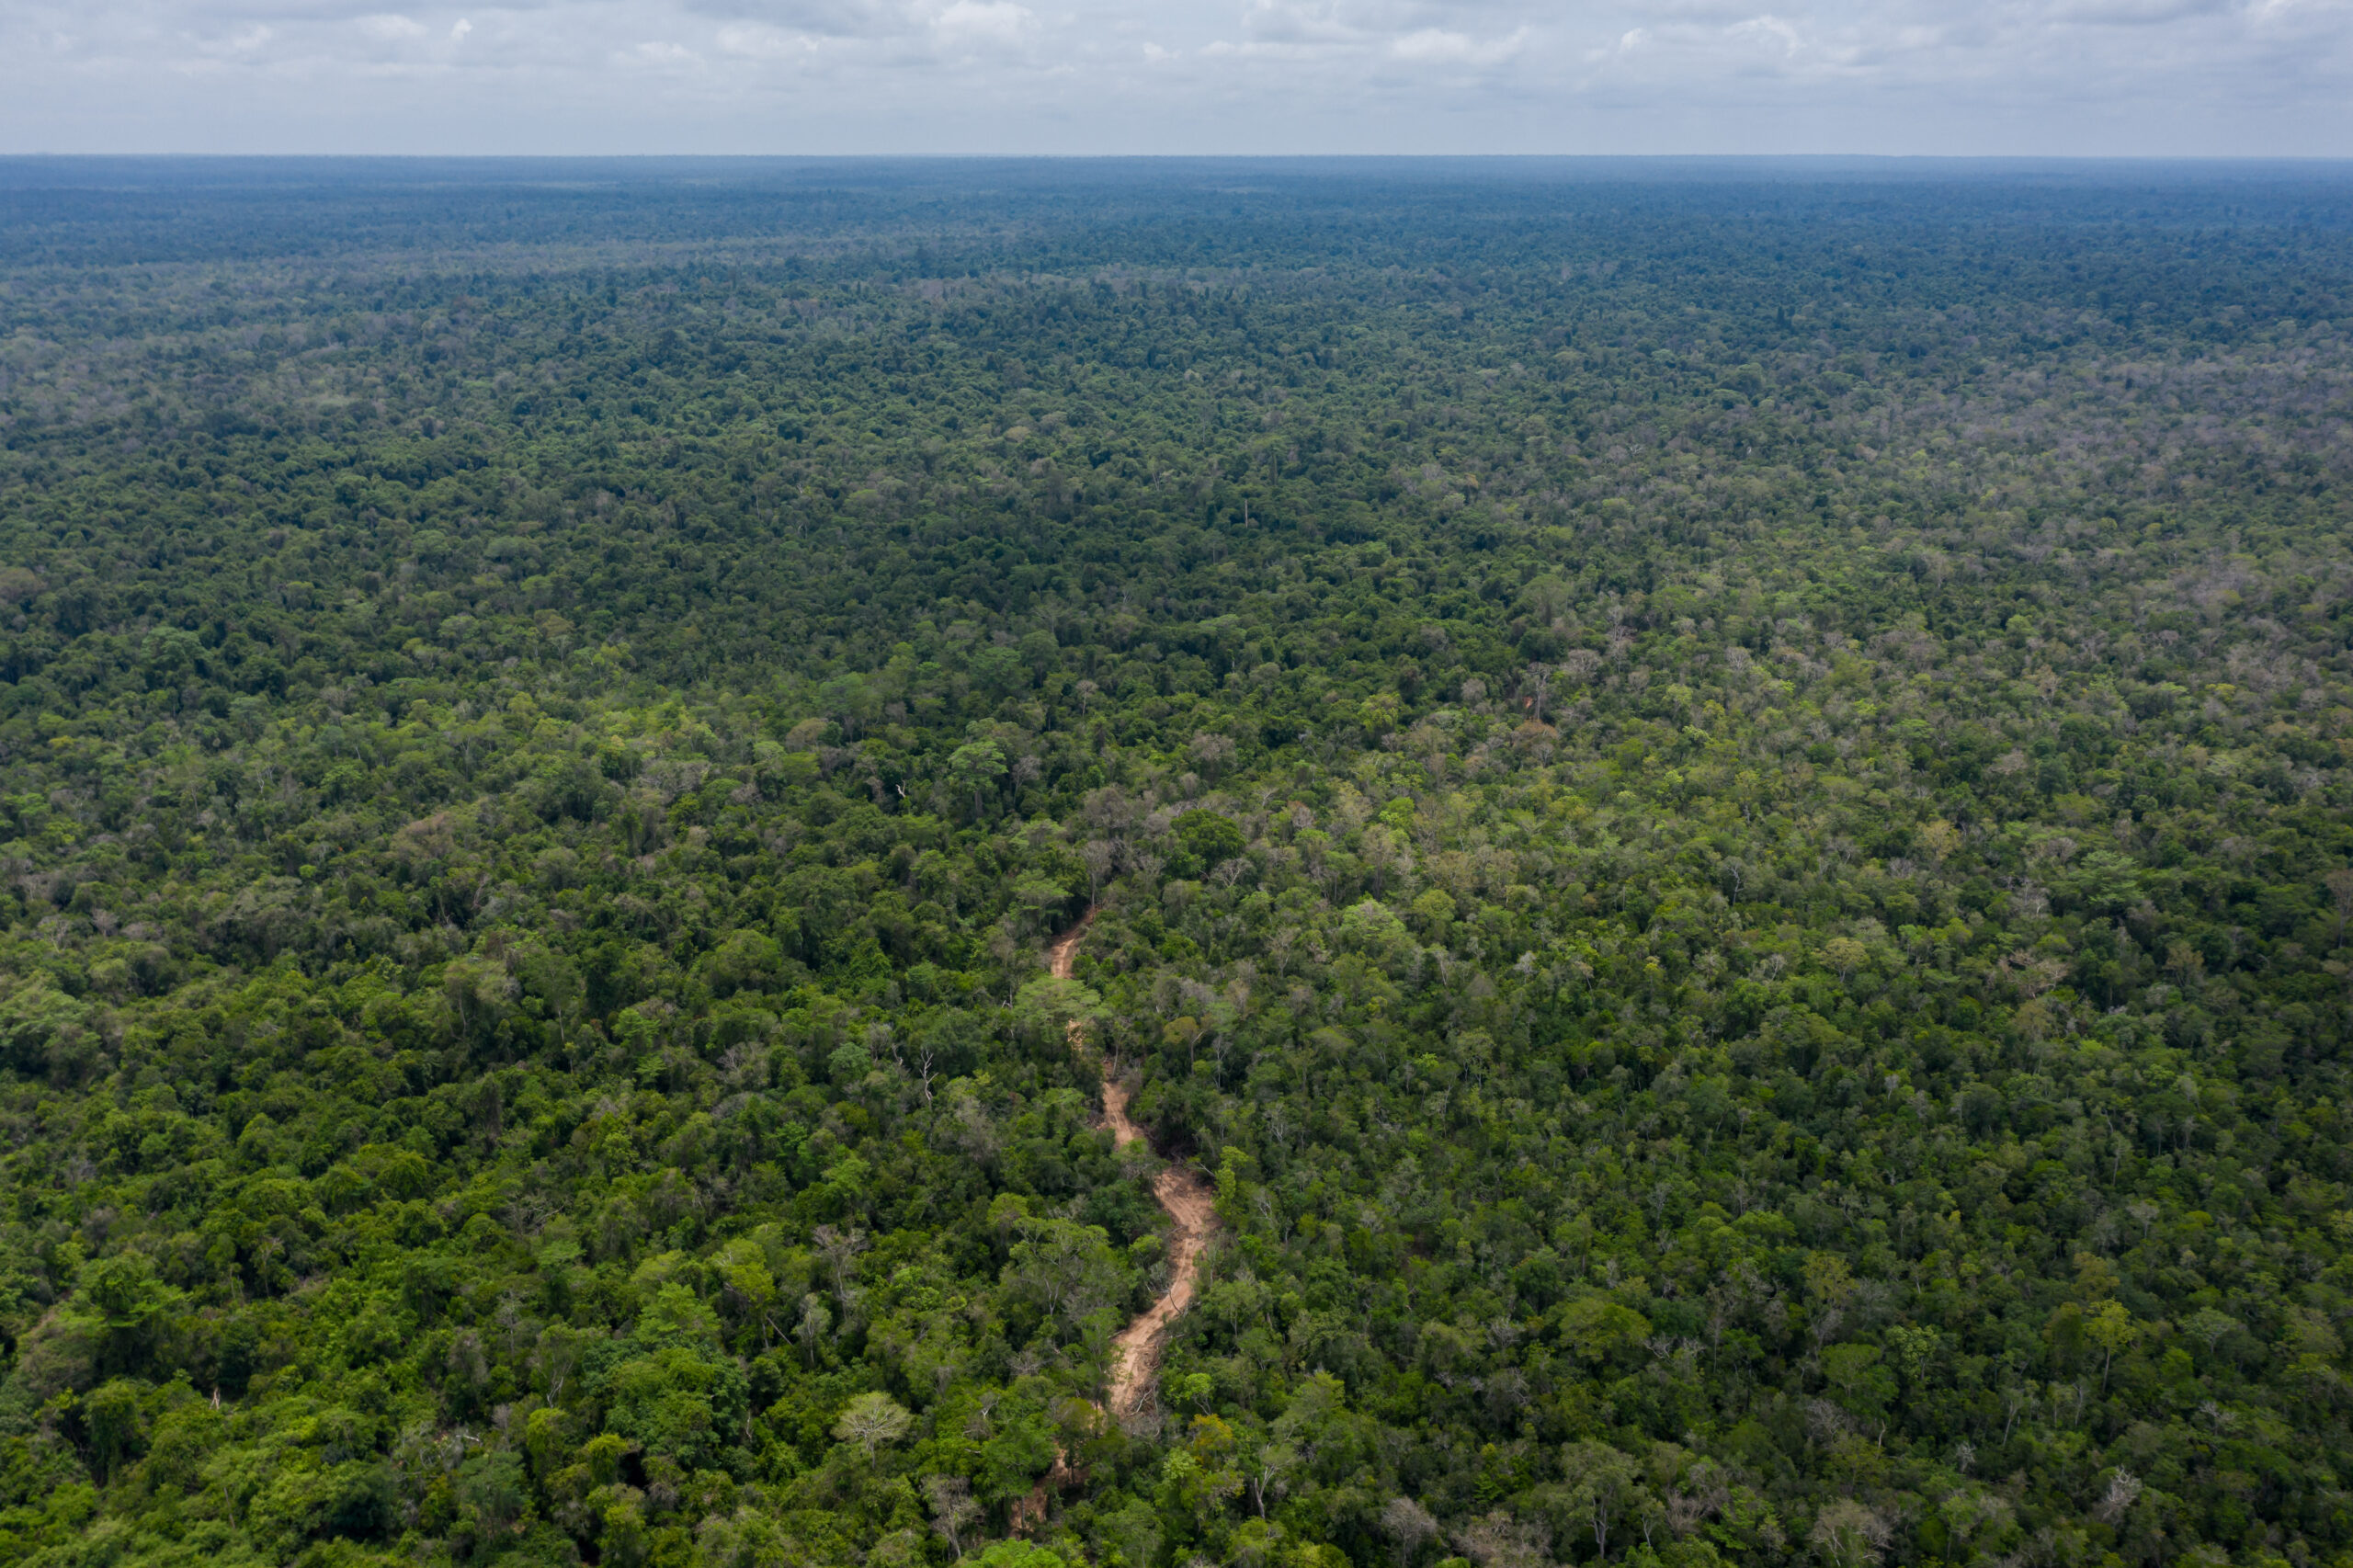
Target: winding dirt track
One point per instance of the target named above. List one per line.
(1181, 1191)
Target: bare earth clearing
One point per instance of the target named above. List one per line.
(1181, 1191)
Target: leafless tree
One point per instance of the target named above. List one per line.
(1851, 1535)
(811, 1328)
(1101, 854)
(952, 1508)
(1408, 1524)
(871, 1420)
(839, 1248)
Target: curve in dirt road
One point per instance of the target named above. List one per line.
(1180, 1191)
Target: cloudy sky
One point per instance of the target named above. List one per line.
(1896, 76)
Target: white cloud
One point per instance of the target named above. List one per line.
(1434, 46)
(660, 54)
(389, 29)
(757, 40)
(1771, 31)
(2158, 76)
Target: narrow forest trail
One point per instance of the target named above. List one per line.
(1180, 1190)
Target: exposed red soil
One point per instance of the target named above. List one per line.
(1181, 1191)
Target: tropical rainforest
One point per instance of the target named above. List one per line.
(1713, 807)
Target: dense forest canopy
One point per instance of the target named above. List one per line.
(1716, 797)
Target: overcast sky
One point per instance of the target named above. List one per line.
(1945, 77)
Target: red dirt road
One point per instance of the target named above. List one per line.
(1181, 1191)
